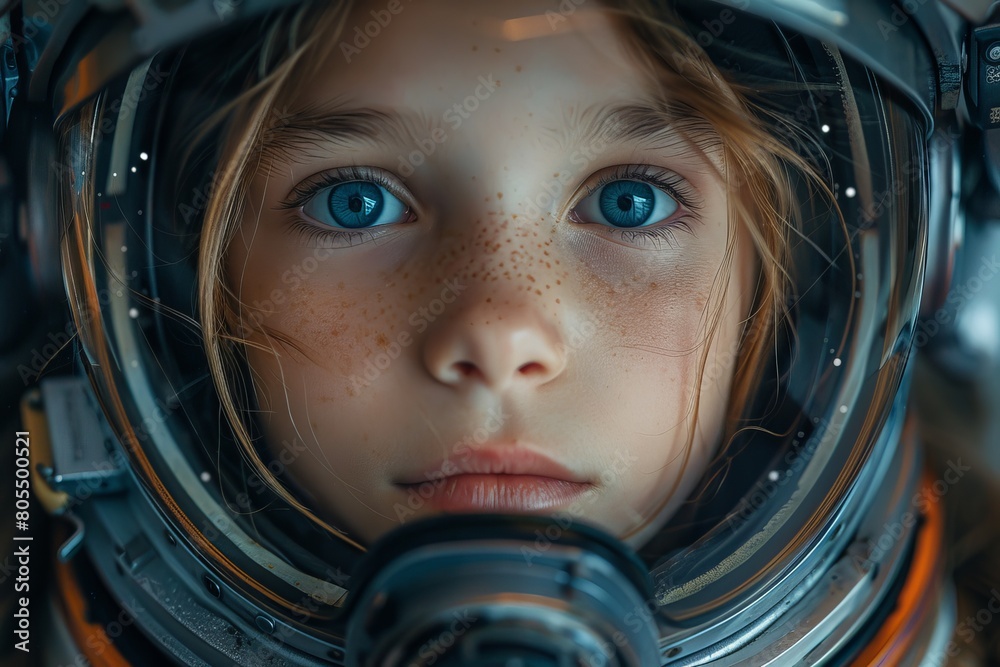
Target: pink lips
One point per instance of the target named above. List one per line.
(497, 479)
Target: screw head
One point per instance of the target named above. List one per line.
(264, 624)
(213, 587)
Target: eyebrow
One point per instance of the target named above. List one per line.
(655, 124)
(648, 123)
(287, 133)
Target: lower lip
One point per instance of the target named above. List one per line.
(497, 493)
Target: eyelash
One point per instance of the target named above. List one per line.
(673, 184)
(307, 189)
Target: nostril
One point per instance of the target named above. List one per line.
(466, 368)
(531, 368)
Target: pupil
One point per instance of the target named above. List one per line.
(356, 204)
(625, 203)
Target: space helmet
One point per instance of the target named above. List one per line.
(802, 533)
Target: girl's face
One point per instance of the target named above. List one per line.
(486, 270)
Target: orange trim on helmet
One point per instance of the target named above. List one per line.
(91, 639)
(906, 628)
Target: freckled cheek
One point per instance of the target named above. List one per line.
(648, 350)
(663, 308)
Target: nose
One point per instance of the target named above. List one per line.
(498, 348)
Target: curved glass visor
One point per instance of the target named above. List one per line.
(321, 282)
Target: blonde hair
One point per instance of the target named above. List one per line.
(758, 168)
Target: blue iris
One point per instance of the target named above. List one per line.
(356, 204)
(627, 203)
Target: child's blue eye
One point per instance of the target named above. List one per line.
(355, 205)
(626, 204)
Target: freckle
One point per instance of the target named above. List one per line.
(558, 282)
(548, 287)
(489, 299)
(547, 265)
(497, 49)
(382, 340)
(475, 48)
(531, 277)
(558, 301)
(538, 292)
(487, 199)
(514, 217)
(555, 175)
(518, 68)
(652, 285)
(340, 285)
(499, 195)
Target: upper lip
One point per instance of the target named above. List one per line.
(494, 459)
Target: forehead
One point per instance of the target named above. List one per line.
(432, 55)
